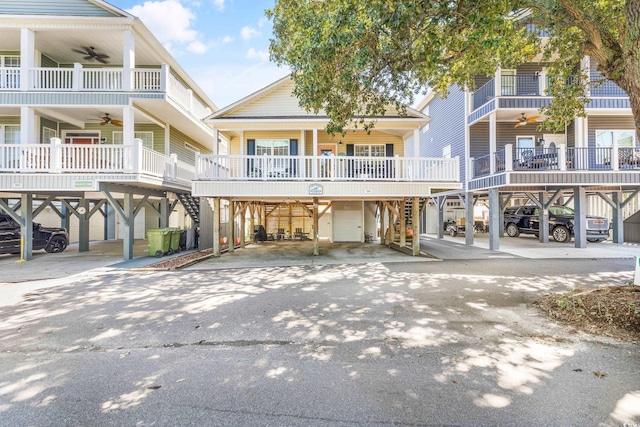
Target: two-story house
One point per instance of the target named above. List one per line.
(593, 164)
(288, 175)
(97, 121)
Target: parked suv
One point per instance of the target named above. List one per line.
(526, 220)
(51, 239)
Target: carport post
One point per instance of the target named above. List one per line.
(618, 217)
(205, 240)
(243, 225)
(26, 227)
(415, 221)
(440, 201)
(232, 225)
(83, 225)
(494, 219)
(382, 214)
(544, 217)
(468, 222)
(216, 226)
(129, 220)
(164, 213)
(580, 218)
(403, 223)
(316, 249)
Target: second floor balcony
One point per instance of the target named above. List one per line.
(94, 80)
(535, 85)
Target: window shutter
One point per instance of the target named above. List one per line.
(389, 150)
(251, 165)
(293, 151)
(350, 150)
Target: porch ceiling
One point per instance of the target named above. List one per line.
(57, 44)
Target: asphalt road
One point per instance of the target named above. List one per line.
(451, 343)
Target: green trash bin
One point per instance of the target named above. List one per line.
(174, 246)
(159, 241)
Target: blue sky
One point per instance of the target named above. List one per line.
(222, 44)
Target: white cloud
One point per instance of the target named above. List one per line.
(170, 22)
(219, 4)
(263, 20)
(262, 55)
(249, 33)
(227, 39)
(197, 47)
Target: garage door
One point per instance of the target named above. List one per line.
(347, 226)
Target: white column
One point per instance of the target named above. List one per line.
(315, 151)
(167, 139)
(416, 143)
(542, 82)
(216, 150)
(27, 54)
(498, 82)
(492, 142)
(27, 125)
(128, 60)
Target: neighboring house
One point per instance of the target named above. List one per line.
(297, 181)
(594, 162)
(96, 118)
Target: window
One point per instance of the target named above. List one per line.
(47, 134)
(624, 138)
(446, 152)
(508, 80)
(10, 134)
(146, 137)
(272, 147)
(525, 146)
(369, 150)
(10, 61)
(605, 138)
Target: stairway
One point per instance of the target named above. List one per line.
(408, 205)
(191, 206)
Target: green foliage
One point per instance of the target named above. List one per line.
(352, 58)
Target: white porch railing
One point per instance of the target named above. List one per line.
(104, 79)
(70, 158)
(318, 168)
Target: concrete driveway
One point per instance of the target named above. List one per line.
(384, 343)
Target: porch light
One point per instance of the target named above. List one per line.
(541, 142)
(340, 142)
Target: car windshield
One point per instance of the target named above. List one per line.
(561, 210)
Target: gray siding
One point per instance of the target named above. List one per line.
(177, 146)
(529, 68)
(52, 7)
(446, 128)
(45, 61)
(505, 134)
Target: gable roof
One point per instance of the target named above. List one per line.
(276, 101)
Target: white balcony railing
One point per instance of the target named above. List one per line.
(104, 79)
(70, 158)
(319, 168)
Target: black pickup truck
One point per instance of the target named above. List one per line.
(51, 239)
(526, 220)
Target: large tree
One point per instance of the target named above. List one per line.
(351, 58)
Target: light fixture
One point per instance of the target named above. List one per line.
(340, 142)
(541, 142)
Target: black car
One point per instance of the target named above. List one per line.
(526, 220)
(51, 239)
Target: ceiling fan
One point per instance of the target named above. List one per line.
(522, 121)
(106, 120)
(91, 54)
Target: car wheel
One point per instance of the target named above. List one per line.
(56, 244)
(512, 230)
(452, 232)
(594, 240)
(561, 234)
